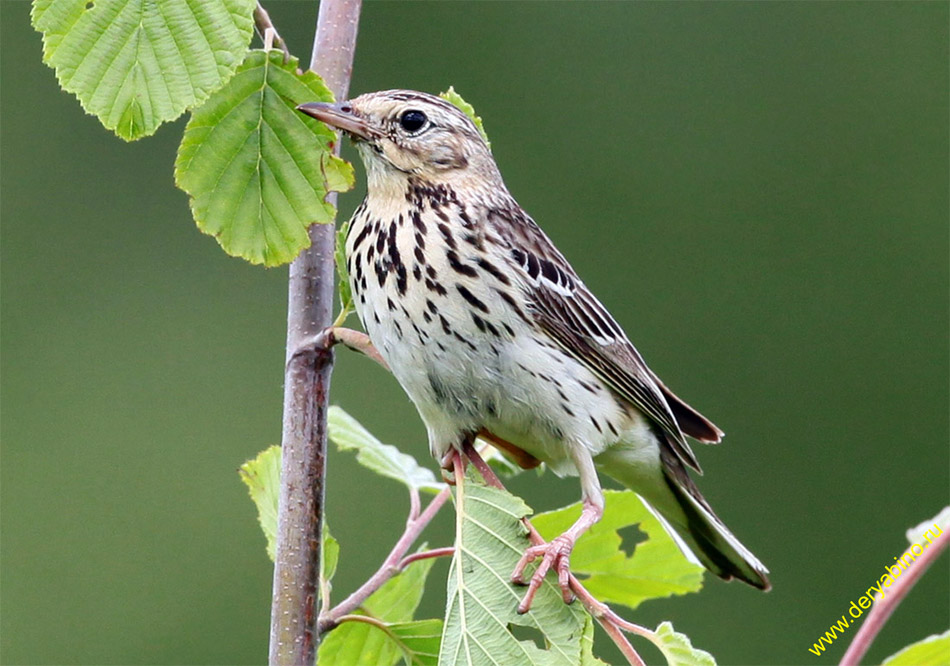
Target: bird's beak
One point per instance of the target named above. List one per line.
(340, 116)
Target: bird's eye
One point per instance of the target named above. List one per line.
(412, 121)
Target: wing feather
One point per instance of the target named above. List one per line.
(615, 366)
(577, 322)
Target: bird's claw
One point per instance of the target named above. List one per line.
(556, 555)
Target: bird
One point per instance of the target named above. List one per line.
(492, 333)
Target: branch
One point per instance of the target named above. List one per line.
(334, 335)
(612, 623)
(425, 555)
(379, 624)
(885, 605)
(394, 563)
(333, 49)
(294, 633)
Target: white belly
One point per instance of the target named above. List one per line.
(468, 367)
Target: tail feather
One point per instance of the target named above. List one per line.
(670, 494)
(712, 542)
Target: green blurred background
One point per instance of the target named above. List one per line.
(758, 191)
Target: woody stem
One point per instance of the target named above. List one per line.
(885, 605)
(294, 633)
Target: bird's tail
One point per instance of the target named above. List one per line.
(682, 510)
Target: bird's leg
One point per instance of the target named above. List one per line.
(556, 553)
(468, 449)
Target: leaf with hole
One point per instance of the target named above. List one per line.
(656, 569)
(256, 169)
(138, 63)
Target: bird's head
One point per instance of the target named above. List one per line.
(403, 133)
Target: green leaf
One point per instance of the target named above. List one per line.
(262, 478)
(454, 98)
(359, 643)
(355, 643)
(587, 645)
(933, 527)
(482, 602)
(418, 641)
(384, 459)
(257, 170)
(931, 651)
(343, 276)
(656, 569)
(330, 556)
(138, 63)
(678, 650)
(398, 598)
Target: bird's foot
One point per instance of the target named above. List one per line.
(556, 555)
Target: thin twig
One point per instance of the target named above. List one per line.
(267, 31)
(367, 619)
(612, 623)
(358, 342)
(337, 335)
(885, 605)
(325, 588)
(294, 632)
(393, 564)
(426, 554)
(414, 504)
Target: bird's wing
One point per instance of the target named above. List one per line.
(690, 421)
(573, 317)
